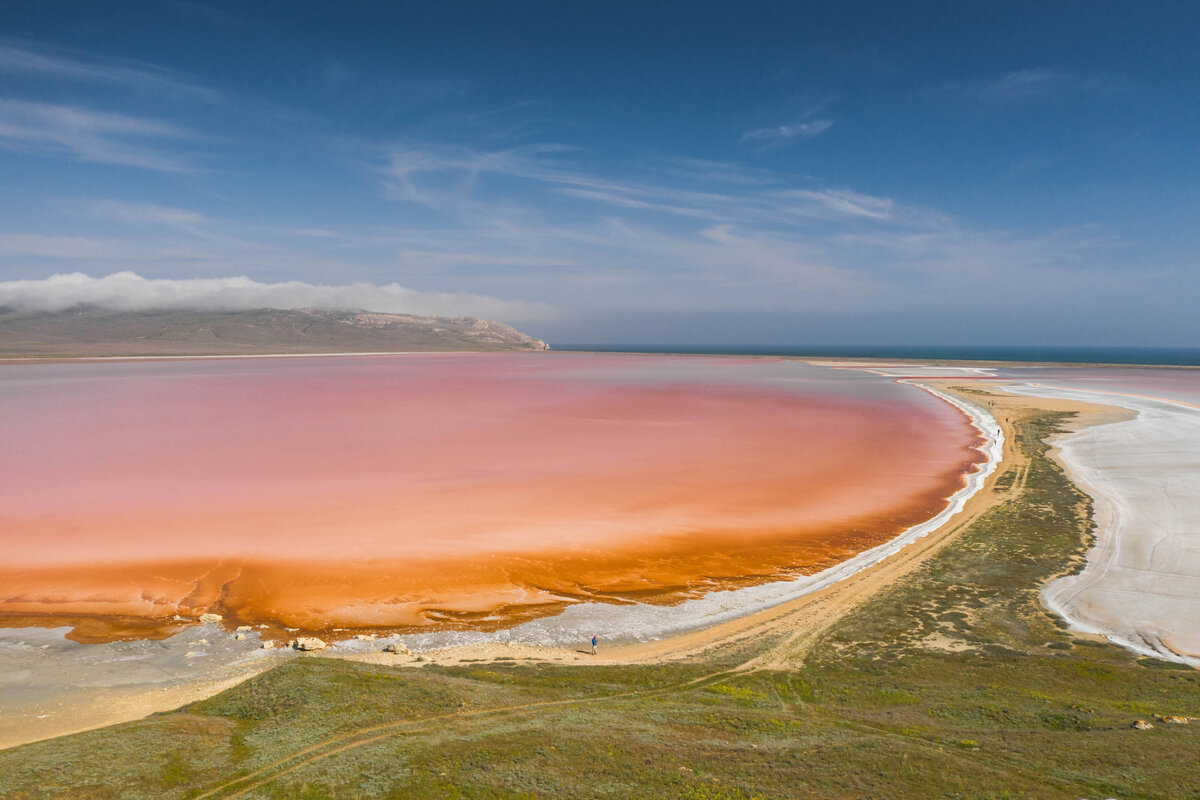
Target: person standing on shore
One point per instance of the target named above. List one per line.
(595, 641)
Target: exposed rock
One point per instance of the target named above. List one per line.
(243, 628)
(364, 637)
(210, 618)
(268, 645)
(1141, 725)
(239, 636)
(309, 643)
(1173, 719)
(396, 647)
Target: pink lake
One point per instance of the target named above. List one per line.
(454, 490)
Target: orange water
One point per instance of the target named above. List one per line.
(403, 492)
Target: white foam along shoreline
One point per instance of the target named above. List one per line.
(641, 622)
(1140, 587)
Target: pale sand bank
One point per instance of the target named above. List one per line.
(1141, 585)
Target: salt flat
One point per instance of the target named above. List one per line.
(50, 686)
(1141, 585)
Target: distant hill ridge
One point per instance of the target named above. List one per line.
(91, 331)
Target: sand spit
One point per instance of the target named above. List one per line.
(1141, 585)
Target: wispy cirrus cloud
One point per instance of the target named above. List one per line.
(571, 230)
(437, 175)
(24, 247)
(99, 137)
(46, 63)
(457, 181)
(839, 203)
(665, 234)
(1030, 84)
(546, 227)
(779, 134)
(144, 214)
(1025, 83)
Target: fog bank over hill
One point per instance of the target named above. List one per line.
(125, 314)
(87, 331)
(128, 291)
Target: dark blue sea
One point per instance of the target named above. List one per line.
(1158, 356)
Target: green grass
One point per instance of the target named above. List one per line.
(1021, 709)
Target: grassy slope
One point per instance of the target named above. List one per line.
(879, 708)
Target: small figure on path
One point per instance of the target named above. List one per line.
(595, 641)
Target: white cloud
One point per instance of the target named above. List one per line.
(1033, 83)
(24, 61)
(1025, 82)
(128, 291)
(40, 246)
(140, 213)
(783, 133)
(840, 202)
(444, 176)
(449, 180)
(89, 135)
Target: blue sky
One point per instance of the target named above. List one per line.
(787, 173)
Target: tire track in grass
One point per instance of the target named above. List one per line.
(375, 733)
(341, 744)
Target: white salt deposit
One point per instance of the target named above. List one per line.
(1141, 585)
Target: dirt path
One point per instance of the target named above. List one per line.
(243, 785)
(365, 736)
